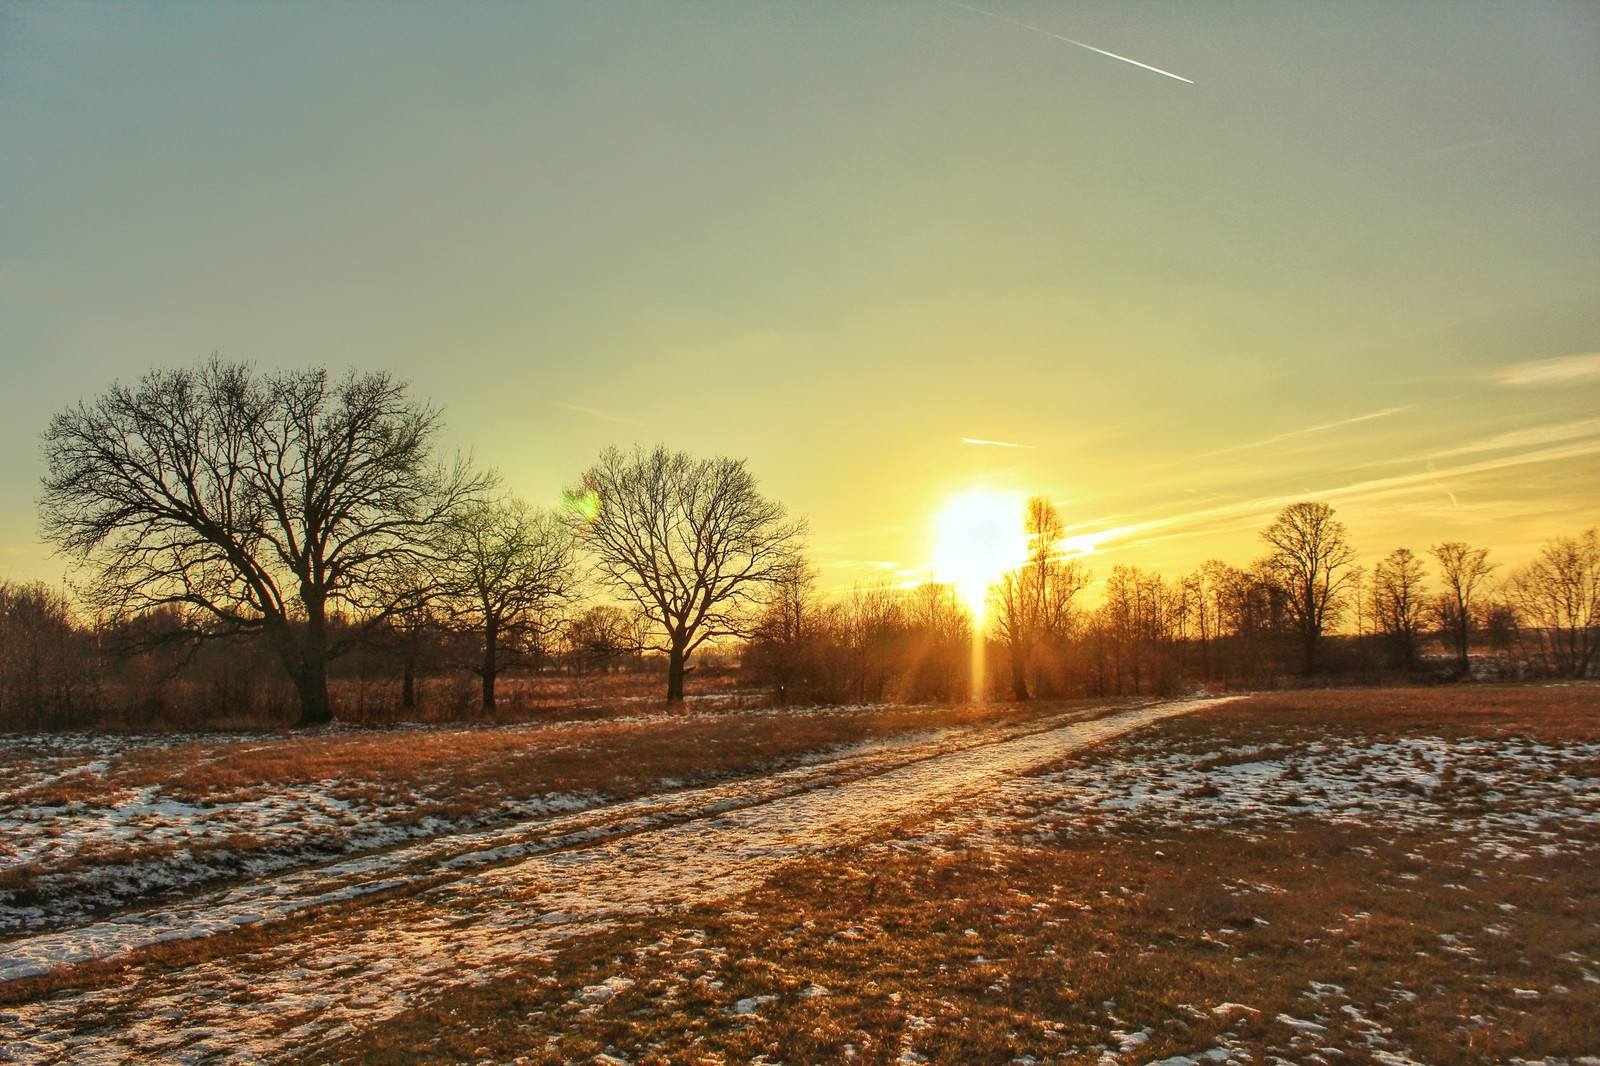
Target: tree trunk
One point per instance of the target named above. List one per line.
(1019, 674)
(311, 680)
(490, 667)
(408, 687)
(311, 673)
(676, 657)
(1311, 653)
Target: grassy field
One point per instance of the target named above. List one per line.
(1377, 936)
(1355, 876)
(93, 825)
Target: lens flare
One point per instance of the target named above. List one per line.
(980, 535)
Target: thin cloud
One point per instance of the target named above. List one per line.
(1556, 371)
(1323, 428)
(1534, 437)
(1523, 438)
(1069, 40)
(1250, 512)
(993, 443)
(594, 412)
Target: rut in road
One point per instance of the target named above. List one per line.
(302, 993)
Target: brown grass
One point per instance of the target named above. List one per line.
(1044, 949)
(968, 950)
(468, 775)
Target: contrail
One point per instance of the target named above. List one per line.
(993, 443)
(593, 412)
(1385, 413)
(1069, 40)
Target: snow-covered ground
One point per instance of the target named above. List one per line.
(126, 843)
(469, 927)
(486, 903)
(1500, 792)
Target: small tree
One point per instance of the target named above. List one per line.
(1463, 570)
(691, 541)
(783, 639)
(507, 567)
(602, 635)
(1558, 598)
(1397, 604)
(1034, 601)
(268, 503)
(1314, 566)
(938, 643)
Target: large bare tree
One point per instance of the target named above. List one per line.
(253, 502)
(1034, 601)
(1463, 570)
(691, 541)
(1314, 566)
(507, 568)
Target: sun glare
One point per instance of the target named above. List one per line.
(980, 535)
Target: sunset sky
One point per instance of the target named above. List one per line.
(889, 252)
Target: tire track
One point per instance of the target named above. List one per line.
(468, 928)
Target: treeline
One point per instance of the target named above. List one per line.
(305, 519)
(1302, 610)
(275, 547)
(152, 671)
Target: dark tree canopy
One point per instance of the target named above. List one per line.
(691, 541)
(252, 501)
(1314, 566)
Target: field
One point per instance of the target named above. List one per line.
(1349, 876)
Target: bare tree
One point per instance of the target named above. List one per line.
(49, 673)
(1463, 570)
(265, 503)
(1034, 601)
(1397, 604)
(938, 642)
(1558, 598)
(507, 567)
(1314, 566)
(691, 541)
(782, 642)
(602, 635)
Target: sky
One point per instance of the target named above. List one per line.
(890, 253)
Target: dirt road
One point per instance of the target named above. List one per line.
(459, 919)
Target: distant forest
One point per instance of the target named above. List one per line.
(288, 548)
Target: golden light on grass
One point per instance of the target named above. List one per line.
(980, 536)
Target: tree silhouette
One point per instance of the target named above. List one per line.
(691, 541)
(1034, 601)
(506, 568)
(1397, 604)
(253, 502)
(1463, 569)
(1313, 564)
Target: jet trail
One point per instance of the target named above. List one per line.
(1069, 40)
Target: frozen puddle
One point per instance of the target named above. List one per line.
(653, 854)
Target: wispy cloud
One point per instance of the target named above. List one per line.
(1522, 438)
(1069, 40)
(1254, 511)
(993, 443)
(594, 412)
(1556, 371)
(1308, 431)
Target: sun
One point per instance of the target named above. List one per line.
(979, 536)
